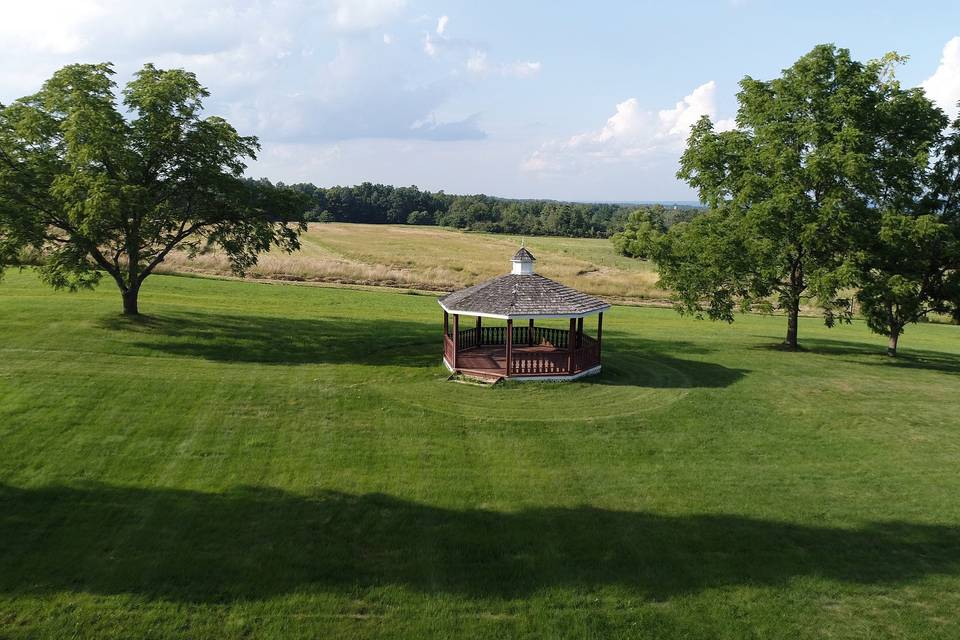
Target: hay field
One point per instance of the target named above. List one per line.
(438, 259)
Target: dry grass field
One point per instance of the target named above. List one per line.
(438, 259)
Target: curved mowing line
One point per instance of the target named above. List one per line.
(576, 401)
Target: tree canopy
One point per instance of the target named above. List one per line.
(909, 267)
(91, 189)
(793, 189)
(384, 204)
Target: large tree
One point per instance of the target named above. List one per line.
(89, 189)
(910, 268)
(641, 233)
(790, 190)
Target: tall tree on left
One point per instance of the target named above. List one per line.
(89, 190)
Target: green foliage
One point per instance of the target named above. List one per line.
(93, 192)
(420, 217)
(383, 204)
(912, 266)
(913, 270)
(706, 264)
(642, 232)
(793, 188)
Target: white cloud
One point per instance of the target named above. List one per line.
(686, 112)
(356, 15)
(521, 69)
(477, 62)
(286, 72)
(631, 132)
(429, 47)
(55, 27)
(432, 46)
(943, 87)
(317, 81)
(472, 55)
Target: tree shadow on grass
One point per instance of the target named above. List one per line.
(875, 354)
(254, 543)
(640, 362)
(628, 361)
(282, 340)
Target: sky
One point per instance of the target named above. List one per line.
(586, 101)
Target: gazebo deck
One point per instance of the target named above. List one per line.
(495, 357)
(535, 353)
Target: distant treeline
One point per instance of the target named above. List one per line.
(384, 204)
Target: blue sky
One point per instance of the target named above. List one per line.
(582, 101)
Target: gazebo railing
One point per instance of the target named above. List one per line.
(586, 356)
(559, 338)
(538, 363)
(448, 349)
(492, 336)
(467, 338)
(558, 360)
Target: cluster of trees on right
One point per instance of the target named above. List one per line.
(838, 185)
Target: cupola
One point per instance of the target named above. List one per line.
(523, 262)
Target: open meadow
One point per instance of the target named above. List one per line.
(438, 259)
(280, 461)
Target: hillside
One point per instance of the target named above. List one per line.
(438, 259)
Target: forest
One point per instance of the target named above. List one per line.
(384, 204)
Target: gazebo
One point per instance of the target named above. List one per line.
(521, 350)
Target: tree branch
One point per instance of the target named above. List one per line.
(182, 235)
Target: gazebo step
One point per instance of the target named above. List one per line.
(473, 375)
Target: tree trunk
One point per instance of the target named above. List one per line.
(896, 328)
(894, 338)
(793, 304)
(130, 301)
(793, 314)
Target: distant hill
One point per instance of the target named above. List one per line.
(684, 204)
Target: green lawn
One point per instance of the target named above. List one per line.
(276, 461)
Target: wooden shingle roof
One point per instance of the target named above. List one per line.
(522, 295)
(523, 254)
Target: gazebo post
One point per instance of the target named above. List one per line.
(571, 341)
(446, 323)
(530, 333)
(456, 338)
(579, 332)
(599, 333)
(509, 345)
(478, 340)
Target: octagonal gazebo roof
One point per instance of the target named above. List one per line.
(522, 294)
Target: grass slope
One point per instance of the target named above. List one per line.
(439, 259)
(276, 461)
